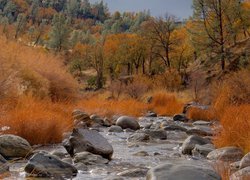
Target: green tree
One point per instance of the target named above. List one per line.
(20, 24)
(60, 32)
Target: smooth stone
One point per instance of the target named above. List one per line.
(47, 165)
(245, 161)
(88, 140)
(230, 154)
(183, 170)
(132, 173)
(157, 134)
(139, 137)
(180, 117)
(189, 144)
(67, 160)
(141, 153)
(127, 122)
(88, 158)
(203, 149)
(115, 129)
(12, 146)
(61, 153)
(242, 174)
(201, 131)
(81, 166)
(174, 127)
(202, 123)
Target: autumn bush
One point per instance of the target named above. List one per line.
(165, 103)
(38, 121)
(195, 113)
(236, 128)
(33, 70)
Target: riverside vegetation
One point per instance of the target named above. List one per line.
(90, 94)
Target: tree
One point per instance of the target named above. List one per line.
(60, 32)
(20, 24)
(73, 7)
(220, 21)
(161, 32)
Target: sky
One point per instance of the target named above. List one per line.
(180, 8)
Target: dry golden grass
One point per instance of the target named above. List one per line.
(195, 113)
(236, 128)
(33, 70)
(38, 121)
(164, 103)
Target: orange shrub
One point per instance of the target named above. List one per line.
(165, 103)
(38, 121)
(236, 128)
(195, 113)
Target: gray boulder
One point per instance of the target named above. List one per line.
(46, 165)
(175, 127)
(189, 144)
(201, 131)
(88, 158)
(242, 174)
(115, 129)
(127, 122)
(245, 161)
(230, 154)
(139, 137)
(88, 140)
(157, 134)
(183, 169)
(12, 146)
(3, 165)
(203, 149)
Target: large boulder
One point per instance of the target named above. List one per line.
(127, 122)
(88, 140)
(230, 154)
(3, 165)
(183, 169)
(203, 149)
(12, 146)
(245, 161)
(47, 165)
(88, 158)
(189, 144)
(242, 174)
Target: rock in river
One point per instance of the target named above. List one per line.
(189, 144)
(88, 158)
(46, 165)
(183, 170)
(88, 140)
(12, 146)
(230, 154)
(127, 122)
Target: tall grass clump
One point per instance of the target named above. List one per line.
(38, 121)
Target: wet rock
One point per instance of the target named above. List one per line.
(230, 154)
(242, 174)
(128, 130)
(180, 117)
(203, 149)
(12, 146)
(81, 119)
(201, 131)
(132, 173)
(81, 167)
(141, 153)
(46, 165)
(88, 158)
(189, 144)
(88, 140)
(97, 120)
(157, 134)
(245, 161)
(3, 165)
(67, 160)
(147, 126)
(202, 123)
(127, 122)
(151, 114)
(175, 127)
(139, 137)
(115, 129)
(183, 169)
(61, 153)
